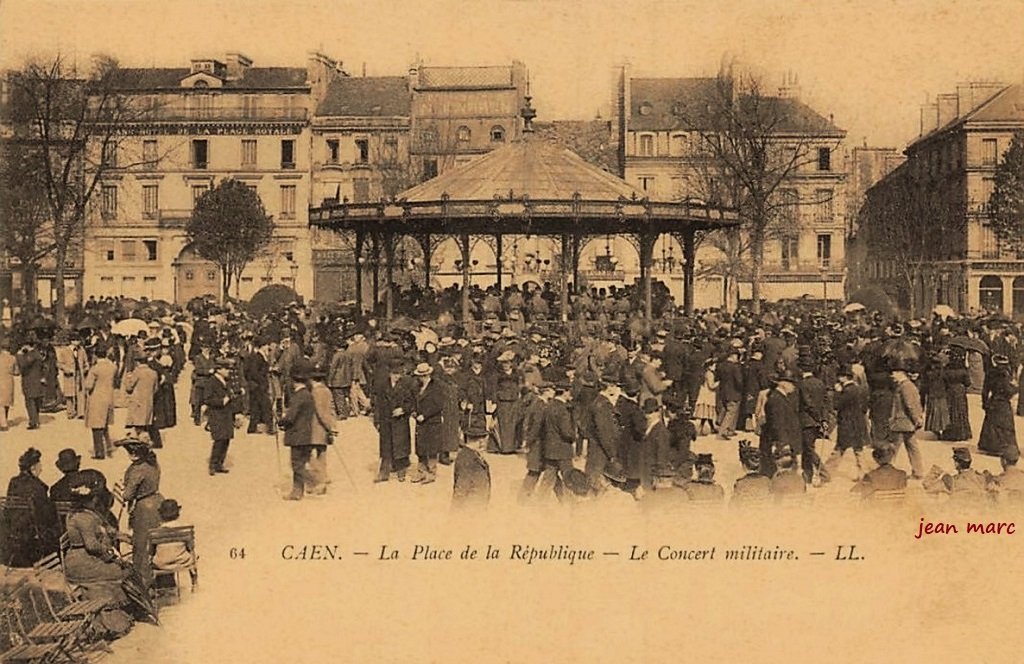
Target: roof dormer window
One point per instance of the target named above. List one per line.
(200, 84)
(646, 108)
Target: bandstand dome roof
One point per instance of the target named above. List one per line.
(534, 167)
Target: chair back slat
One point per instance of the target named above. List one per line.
(165, 535)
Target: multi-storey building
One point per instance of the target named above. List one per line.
(360, 153)
(661, 144)
(462, 112)
(949, 173)
(215, 119)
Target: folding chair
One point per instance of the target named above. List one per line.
(41, 640)
(171, 535)
(14, 647)
(888, 496)
(73, 606)
(64, 508)
(118, 491)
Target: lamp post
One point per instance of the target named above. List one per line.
(294, 267)
(824, 286)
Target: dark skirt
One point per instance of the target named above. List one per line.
(997, 430)
(507, 415)
(959, 421)
(937, 415)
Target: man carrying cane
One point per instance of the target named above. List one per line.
(220, 414)
(297, 424)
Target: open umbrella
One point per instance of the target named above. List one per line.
(969, 343)
(875, 299)
(129, 327)
(403, 324)
(853, 307)
(944, 311)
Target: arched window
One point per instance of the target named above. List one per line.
(200, 84)
(990, 293)
(497, 134)
(462, 134)
(1018, 296)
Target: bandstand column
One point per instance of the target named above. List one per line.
(688, 267)
(497, 258)
(360, 239)
(375, 254)
(647, 240)
(563, 269)
(389, 275)
(576, 264)
(464, 246)
(424, 241)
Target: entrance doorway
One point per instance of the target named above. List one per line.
(195, 277)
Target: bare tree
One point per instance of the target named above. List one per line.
(75, 123)
(25, 232)
(751, 144)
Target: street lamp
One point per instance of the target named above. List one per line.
(294, 267)
(824, 286)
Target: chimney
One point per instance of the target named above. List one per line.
(236, 64)
(929, 118)
(414, 76)
(947, 105)
(790, 88)
(970, 95)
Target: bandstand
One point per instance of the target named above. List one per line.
(529, 187)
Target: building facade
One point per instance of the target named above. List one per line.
(662, 146)
(949, 172)
(217, 119)
(459, 113)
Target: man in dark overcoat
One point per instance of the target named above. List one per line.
(220, 418)
(430, 400)
(782, 422)
(603, 446)
(558, 439)
(297, 423)
(30, 366)
(394, 400)
(257, 385)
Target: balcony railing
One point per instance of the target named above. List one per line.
(174, 218)
(226, 113)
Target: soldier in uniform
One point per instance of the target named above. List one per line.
(752, 487)
(883, 478)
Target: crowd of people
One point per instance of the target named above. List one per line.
(607, 400)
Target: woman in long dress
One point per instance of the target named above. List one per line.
(93, 565)
(936, 403)
(142, 498)
(958, 379)
(706, 408)
(997, 430)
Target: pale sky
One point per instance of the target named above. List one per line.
(870, 63)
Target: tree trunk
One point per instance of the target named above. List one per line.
(29, 274)
(58, 277)
(756, 267)
(225, 275)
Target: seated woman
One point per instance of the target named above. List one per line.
(28, 535)
(92, 564)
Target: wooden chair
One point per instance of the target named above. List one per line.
(175, 535)
(13, 646)
(118, 491)
(64, 508)
(72, 605)
(41, 640)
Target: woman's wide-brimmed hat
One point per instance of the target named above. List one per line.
(423, 369)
